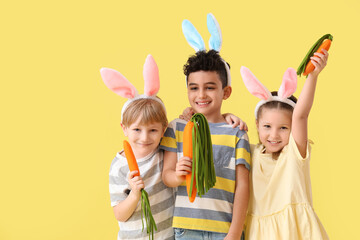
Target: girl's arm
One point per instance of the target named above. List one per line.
(305, 102)
(174, 171)
(241, 200)
(126, 208)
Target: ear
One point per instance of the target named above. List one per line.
(254, 86)
(151, 77)
(192, 36)
(289, 83)
(227, 92)
(215, 41)
(257, 124)
(117, 83)
(162, 135)
(124, 128)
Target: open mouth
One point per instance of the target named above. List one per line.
(274, 142)
(202, 104)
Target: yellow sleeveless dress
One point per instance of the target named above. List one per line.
(280, 206)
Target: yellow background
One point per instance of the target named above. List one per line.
(60, 124)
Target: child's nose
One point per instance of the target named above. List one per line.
(274, 133)
(144, 136)
(202, 93)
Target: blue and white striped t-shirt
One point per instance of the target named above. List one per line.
(161, 197)
(213, 211)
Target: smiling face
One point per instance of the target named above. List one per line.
(205, 94)
(143, 138)
(274, 126)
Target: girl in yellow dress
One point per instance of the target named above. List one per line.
(280, 205)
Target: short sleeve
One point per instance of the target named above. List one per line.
(168, 142)
(119, 188)
(293, 147)
(242, 151)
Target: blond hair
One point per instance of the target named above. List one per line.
(148, 109)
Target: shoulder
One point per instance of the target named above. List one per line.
(292, 149)
(177, 123)
(226, 129)
(117, 163)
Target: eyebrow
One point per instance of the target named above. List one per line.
(211, 83)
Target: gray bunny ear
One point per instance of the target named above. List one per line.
(192, 36)
(215, 41)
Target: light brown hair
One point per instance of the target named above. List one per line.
(148, 109)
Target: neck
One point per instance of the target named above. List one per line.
(215, 118)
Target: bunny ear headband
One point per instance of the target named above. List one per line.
(117, 83)
(256, 88)
(196, 41)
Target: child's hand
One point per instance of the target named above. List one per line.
(187, 114)
(183, 167)
(319, 60)
(235, 121)
(136, 182)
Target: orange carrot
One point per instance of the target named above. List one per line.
(188, 152)
(145, 203)
(310, 66)
(130, 157)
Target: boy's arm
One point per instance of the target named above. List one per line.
(241, 200)
(126, 208)
(230, 118)
(174, 171)
(235, 121)
(305, 102)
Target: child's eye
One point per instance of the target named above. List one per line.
(136, 129)
(210, 88)
(283, 128)
(193, 88)
(154, 130)
(266, 126)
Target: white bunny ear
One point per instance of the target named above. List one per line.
(254, 86)
(117, 83)
(289, 83)
(151, 77)
(215, 41)
(192, 36)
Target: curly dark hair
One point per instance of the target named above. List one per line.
(207, 61)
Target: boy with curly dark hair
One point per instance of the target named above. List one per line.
(220, 213)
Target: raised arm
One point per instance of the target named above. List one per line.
(305, 102)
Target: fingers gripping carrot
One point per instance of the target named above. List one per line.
(310, 66)
(306, 65)
(145, 204)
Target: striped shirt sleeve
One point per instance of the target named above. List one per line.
(118, 186)
(242, 150)
(168, 142)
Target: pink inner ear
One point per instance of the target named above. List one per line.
(151, 77)
(117, 83)
(289, 83)
(254, 86)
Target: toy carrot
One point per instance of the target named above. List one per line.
(145, 204)
(203, 171)
(188, 152)
(306, 65)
